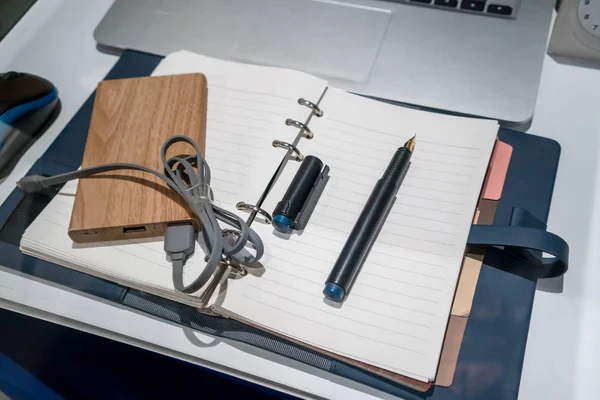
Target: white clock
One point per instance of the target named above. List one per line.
(588, 14)
(576, 32)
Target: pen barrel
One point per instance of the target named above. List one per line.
(369, 224)
(363, 235)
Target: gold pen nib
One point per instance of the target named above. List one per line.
(410, 145)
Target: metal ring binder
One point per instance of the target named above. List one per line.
(305, 132)
(303, 128)
(252, 208)
(237, 267)
(225, 264)
(316, 110)
(297, 156)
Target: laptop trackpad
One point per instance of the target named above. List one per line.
(326, 38)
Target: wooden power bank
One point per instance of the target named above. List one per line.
(130, 121)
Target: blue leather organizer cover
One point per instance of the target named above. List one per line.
(491, 356)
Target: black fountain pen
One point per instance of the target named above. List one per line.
(367, 227)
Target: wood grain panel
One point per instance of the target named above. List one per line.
(130, 121)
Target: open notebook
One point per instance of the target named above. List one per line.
(396, 315)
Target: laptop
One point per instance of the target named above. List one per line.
(471, 57)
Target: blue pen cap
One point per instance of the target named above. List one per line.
(334, 292)
(282, 224)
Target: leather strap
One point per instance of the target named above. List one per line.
(524, 235)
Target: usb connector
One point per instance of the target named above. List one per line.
(180, 243)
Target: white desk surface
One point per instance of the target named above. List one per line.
(562, 360)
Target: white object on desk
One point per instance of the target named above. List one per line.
(576, 32)
(588, 14)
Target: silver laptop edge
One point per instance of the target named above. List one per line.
(457, 62)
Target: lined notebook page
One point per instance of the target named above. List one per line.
(396, 314)
(139, 263)
(247, 108)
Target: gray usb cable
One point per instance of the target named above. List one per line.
(190, 178)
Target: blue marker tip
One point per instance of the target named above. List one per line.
(282, 224)
(334, 292)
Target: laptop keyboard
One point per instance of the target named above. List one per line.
(494, 8)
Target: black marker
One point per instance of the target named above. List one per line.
(367, 227)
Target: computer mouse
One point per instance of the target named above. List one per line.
(28, 106)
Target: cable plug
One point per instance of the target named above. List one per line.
(180, 242)
(32, 183)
